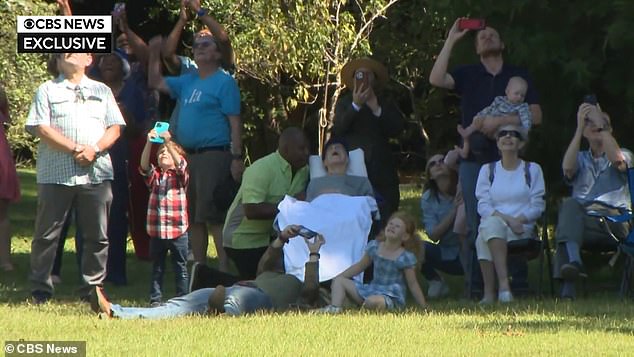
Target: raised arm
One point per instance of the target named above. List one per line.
(171, 60)
(155, 78)
(139, 47)
(439, 77)
(272, 258)
(569, 164)
(222, 39)
(64, 7)
(310, 290)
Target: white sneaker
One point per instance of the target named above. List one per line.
(505, 297)
(329, 309)
(437, 288)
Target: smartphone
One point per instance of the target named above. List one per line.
(361, 79)
(306, 233)
(471, 24)
(118, 9)
(590, 99)
(160, 127)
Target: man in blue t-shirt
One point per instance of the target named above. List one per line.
(478, 85)
(209, 128)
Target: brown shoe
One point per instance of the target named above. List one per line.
(100, 303)
(216, 302)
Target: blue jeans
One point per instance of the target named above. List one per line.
(178, 252)
(238, 300)
(434, 262)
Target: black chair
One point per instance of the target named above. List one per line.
(620, 246)
(537, 247)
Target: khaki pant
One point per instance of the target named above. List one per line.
(92, 203)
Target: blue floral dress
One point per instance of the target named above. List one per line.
(388, 279)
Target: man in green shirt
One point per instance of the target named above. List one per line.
(249, 225)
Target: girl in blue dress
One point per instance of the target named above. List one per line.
(394, 256)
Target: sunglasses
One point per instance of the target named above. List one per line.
(433, 163)
(202, 44)
(515, 133)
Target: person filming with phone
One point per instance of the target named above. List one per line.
(477, 85)
(599, 183)
(366, 120)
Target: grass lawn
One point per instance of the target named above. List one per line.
(599, 324)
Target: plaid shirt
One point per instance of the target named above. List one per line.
(501, 106)
(167, 207)
(81, 113)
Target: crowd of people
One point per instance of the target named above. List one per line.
(297, 239)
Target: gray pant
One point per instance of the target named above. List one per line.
(575, 225)
(92, 204)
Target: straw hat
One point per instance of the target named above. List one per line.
(380, 72)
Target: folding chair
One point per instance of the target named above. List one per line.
(537, 247)
(625, 246)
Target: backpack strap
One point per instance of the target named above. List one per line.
(527, 172)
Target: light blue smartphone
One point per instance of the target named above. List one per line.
(160, 127)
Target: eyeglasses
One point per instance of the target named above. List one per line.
(202, 44)
(433, 163)
(79, 95)
(515, 133)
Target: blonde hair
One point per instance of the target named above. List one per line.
(413, 244)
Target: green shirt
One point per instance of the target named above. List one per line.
(268, 180)
(283, 289)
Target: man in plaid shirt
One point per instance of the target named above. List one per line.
(167, 219)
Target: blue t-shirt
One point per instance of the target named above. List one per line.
(205, 105)
(477, 89)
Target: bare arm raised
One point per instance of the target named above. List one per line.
(439, 77)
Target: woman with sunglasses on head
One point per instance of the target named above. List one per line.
(510, 195)
(442, 205)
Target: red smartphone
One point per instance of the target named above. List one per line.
(471, 24)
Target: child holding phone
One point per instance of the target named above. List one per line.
(394, 256)
(167, 218)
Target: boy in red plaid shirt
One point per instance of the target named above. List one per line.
(167, 220)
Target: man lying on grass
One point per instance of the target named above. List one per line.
(272, 289)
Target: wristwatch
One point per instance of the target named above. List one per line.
(202, 12)
(97, 149)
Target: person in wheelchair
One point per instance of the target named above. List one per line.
(599, 187)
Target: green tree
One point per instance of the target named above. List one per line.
(21, 73)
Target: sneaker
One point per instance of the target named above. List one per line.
(437, 288)
(330, 309)
(216, 301)
(39, 297)
(155, 303)
(100, 303)
(195, 276)
(505, 297)
(572, 271)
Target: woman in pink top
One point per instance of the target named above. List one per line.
(9, 185)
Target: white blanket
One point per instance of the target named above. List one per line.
(345, 223)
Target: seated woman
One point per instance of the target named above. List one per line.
(510, 195)
(440, 205)
(336, 160)
(272, 289)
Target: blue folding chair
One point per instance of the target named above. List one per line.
(625, 246)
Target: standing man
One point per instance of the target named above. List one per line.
(368, 120)
(77, 120)
(478, 85)
(209, 129)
